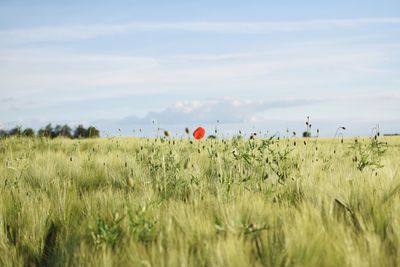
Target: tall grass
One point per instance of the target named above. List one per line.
(170, 202)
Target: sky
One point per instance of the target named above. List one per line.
(250, 65)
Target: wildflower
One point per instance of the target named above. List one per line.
(199, 133)
(187, 130)
(167, 133)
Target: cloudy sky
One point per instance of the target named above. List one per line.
(251, 65)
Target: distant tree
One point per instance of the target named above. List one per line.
(92, 132)
(28, 132)
(211, 136)
(46, 131)
(56, 132)
(3, 133)
(307, 134)
(80, 132)
(49, 132)
(66, 131)
(15, 131)
(41, 133)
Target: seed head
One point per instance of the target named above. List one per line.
(252, 226)
(130, 182)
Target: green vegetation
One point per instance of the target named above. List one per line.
(50, 132)
(170, 202)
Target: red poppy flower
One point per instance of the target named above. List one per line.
(199, 133)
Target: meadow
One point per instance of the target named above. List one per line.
(177, 202)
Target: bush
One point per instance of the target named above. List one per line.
(66, 131)
(17, 131)
(46, 132)
(28, 132)
(80, 132)
(92, 132)
(62, 131)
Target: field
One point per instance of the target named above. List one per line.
(176, 202)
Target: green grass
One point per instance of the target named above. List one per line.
(146, 202)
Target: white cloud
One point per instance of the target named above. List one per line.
(242, 111)
(224, 110)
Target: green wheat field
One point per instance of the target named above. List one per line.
(179, 202)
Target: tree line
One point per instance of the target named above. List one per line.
(52, 132)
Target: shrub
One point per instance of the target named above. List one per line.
(15, 131)
(28, 132)
(92, 132)
(80, 132)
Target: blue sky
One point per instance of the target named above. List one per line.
(252, 65)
